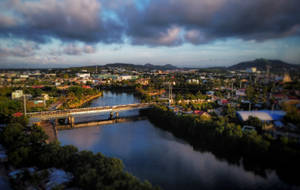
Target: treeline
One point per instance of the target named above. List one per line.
(26, 147)
(8, 106)
(227, 141)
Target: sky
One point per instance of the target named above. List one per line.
(185, 33)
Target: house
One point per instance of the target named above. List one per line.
(223, 102)
(17, 94)
(240, 92)
(18, 114)
(210, 93)
(251, 70)
(202, 114)
(86, 87)
(126, 77)
(24, 76)
(45, 96)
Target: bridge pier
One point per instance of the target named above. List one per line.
(111, 115)
(117, 116)
(71, 121)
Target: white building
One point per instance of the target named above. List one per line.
(24, 76)
(17, 94)
(83, 75)
(125, 77)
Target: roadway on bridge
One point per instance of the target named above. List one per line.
(81, 111)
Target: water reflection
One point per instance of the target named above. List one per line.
(110, 99)
(158, 156)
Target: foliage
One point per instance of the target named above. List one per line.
(227, 141)
(26, 147)
(7, 108)
(292, 114)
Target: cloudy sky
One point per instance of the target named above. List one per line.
(192, 33)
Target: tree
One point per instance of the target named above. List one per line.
(250, 92)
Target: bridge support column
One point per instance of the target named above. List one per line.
(117, 116)
(71, 121)
(111, 115)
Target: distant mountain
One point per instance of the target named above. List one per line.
(147, 66)
(261, 64)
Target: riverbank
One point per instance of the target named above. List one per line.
(27, 147)
(227, 141)
(85, 100)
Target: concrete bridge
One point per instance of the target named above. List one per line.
(69, 113)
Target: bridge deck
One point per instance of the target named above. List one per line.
(78, 111)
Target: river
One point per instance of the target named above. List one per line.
(157, 156)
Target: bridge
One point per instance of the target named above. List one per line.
(69, 113)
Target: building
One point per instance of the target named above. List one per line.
(286, 78)
(251, 70)
(193, 81)
(17, 94)
(240, 92)
(45, 96)
(83, 75)
(126, 77)
(24, 76)
(263, 115)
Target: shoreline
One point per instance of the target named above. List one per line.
(203, 137)
(81, 103)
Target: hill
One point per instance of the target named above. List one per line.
(261, 64)
(147, 66)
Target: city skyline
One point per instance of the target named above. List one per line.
(53, 33)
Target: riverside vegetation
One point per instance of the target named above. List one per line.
(27, 147)
(226, 140)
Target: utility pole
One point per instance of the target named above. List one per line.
(170, 93)
(232, 89)
(24, 102)
(268, 72)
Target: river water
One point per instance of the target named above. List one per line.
(157, 156)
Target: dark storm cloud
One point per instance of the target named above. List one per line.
(153, 22)
(206, 20)
(64, 19)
